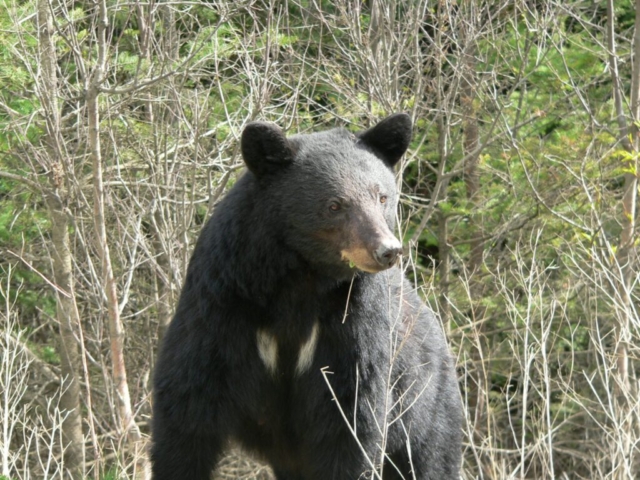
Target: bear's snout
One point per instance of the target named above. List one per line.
(374, 255)
(388, 253)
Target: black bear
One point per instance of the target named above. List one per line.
(296, 336)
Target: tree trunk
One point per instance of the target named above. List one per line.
(471, 142)
(70, 360)
(164, 282)
(443, 270)
(127, 426)
(468, 94)
(66, 309)
(625, 393)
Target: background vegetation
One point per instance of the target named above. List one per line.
(119, 127)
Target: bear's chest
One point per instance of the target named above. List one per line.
(287, 357)
(286, 394)
(303, 355)
(291, 328)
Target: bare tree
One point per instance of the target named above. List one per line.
(56, 196)
(94, 80)
(624, 263)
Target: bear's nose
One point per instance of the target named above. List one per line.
(387, 254)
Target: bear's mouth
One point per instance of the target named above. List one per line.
(362, 259)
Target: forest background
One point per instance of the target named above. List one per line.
(119, 128)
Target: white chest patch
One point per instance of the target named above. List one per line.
(308, 350)
(268, 350)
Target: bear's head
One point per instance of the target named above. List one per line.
(332, 194)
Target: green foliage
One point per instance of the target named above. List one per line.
(50, 355)
(21, 226)
(17, 222)
(112, 473)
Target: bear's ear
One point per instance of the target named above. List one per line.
(265, 148)
(389, 139)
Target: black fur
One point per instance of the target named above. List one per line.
(272, 260)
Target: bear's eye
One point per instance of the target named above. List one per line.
(335, 206)
(383, 199)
